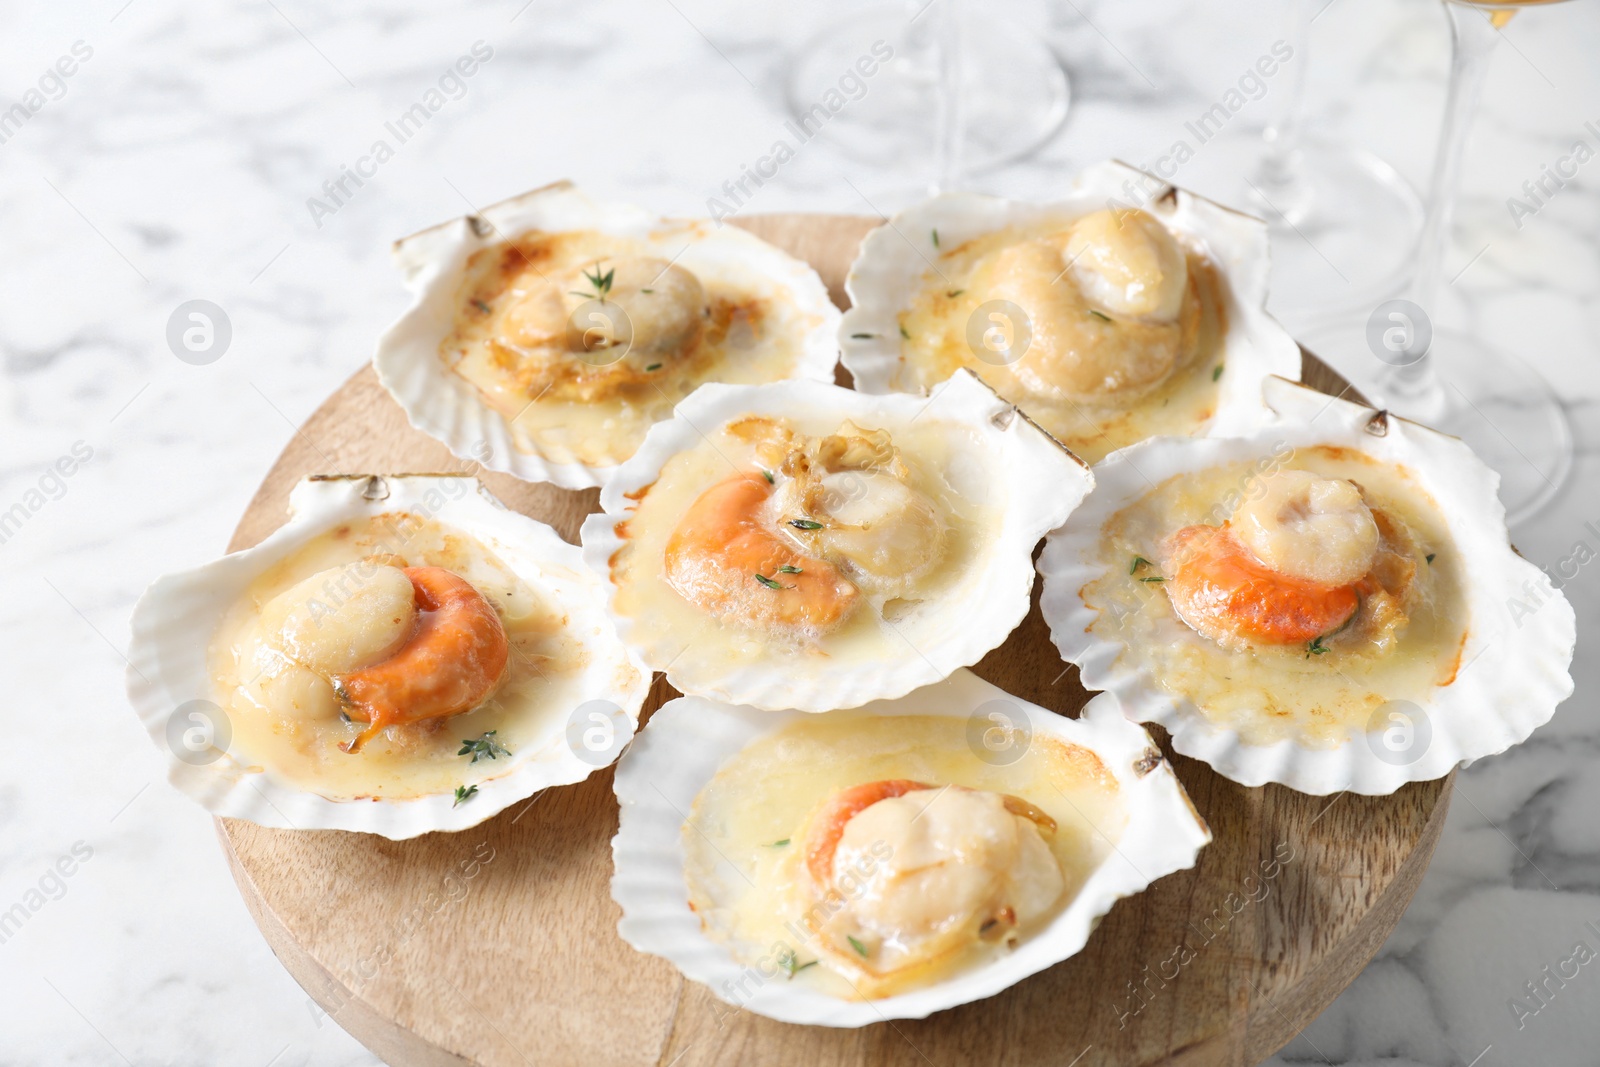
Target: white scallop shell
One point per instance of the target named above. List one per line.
(689, 739)
(447, 407)
(1515, 666)
(1042, 482)
(888, 271)
(176, 617)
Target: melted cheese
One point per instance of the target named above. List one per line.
(904, 572)
(284, 714)
(746, 869)
(1122, 342)
(1269, 693)
(582, 340)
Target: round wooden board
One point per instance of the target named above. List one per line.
(498, 945)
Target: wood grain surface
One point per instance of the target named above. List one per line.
(498, 945)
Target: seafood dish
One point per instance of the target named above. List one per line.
(1325, 603)
(403, 640)
(889, 861)
(804, 546)
(550, 331)
(1106, 322)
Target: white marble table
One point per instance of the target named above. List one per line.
(175, 163)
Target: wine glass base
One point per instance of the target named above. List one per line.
(1014, 93)
(1493, 400)
(1343, 230)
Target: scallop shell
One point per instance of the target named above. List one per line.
(447, 407)
(1042, 482)
(176, 617)
(888, 270)
(690, 738)
(1515, 666)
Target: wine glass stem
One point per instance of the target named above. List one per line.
(1282, 135)
(950, 131)
(1473, 37)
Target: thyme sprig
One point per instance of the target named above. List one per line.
(486, 747)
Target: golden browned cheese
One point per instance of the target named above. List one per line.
(1106, 328)
(1266, 652)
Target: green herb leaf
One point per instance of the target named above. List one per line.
(1102, 316)
(1138, 561)
(768, 582)
(481, 306)
(653, 366)
(903, 333)
(790, 962)
(485, 747)
(464, 793)
(779, 844)
(805, 524)
(789, 568)
(858, 946)
(863, 336)
(952, 294)
(601, 282)
(1316, 648)
(1429, 557)
(1152, 579)
(647, 290)
(1217, 372)
(936, 238)
(768, 476)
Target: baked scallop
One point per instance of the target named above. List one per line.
(550, 331)
(799, 545)
(891, 861)
(1330, 603)
(1106, 319)
(405, 655)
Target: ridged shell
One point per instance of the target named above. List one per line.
(447, 407)
(1042, 482)
(175, 620)
(690, 738)
(888, 270)
(1514, 662)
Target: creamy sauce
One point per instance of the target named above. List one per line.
(753, 816)
(1268, 693)
(700, 646)
(294, 732)
(936, 343)
(576, 399)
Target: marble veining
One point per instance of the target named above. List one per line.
(176, 163)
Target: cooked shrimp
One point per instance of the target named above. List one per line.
(1128, 263)
(453, 660)
(725, 559)
(916, 876)
(827, 826)
(1225, 593)
(1318, 529)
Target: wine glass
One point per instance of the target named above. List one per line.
(1488, 397)
(1009, 92)
(1344, 223)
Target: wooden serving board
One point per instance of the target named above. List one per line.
(498, 945)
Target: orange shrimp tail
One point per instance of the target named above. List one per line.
(453, 660)
(715, 555)
(827, 826)
(1220, 589)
